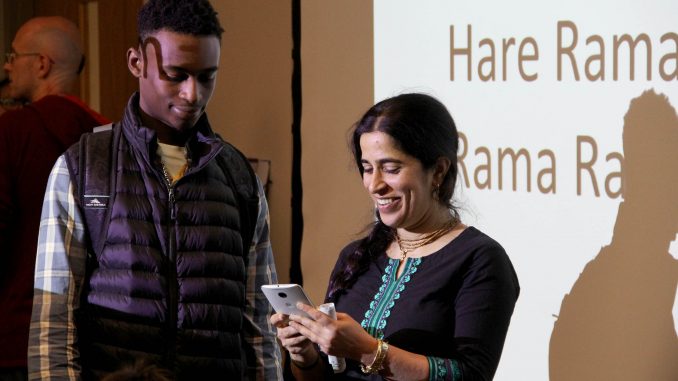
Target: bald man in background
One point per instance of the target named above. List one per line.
(42, 68)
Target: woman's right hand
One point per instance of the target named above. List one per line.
(301, 349)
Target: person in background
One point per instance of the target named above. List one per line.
(42, 68)
(422, 296)
(171, 273)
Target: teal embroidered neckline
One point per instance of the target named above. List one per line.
(389, 292)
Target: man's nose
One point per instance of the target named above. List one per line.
(189, 90)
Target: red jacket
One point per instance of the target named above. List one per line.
(31, 139)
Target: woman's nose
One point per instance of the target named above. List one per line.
(376, 182)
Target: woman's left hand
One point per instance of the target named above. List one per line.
(343, 337)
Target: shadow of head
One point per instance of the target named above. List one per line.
(651, 156)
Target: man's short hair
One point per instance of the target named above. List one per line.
(194, 17)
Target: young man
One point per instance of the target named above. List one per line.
(42, 69)
(164, 276)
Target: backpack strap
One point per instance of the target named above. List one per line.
(241, 176)
(87, 161)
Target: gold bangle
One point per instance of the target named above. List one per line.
(378, 362)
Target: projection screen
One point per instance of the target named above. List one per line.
(568, 157)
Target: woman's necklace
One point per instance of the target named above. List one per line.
(408, 245)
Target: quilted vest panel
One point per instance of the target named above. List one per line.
(169, 284)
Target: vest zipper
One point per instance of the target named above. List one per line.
(172, 294)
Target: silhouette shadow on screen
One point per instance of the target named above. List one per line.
(616, 323)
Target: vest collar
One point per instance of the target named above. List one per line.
(201, 147)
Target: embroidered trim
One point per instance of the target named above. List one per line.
(443, 369)
(377, 315)
(456, 371)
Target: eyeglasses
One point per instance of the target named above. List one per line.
(10, 57)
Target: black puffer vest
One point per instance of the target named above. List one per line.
(169, 283)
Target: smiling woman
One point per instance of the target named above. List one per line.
(419, 260)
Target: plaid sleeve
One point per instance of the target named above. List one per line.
(263, 354)
(59, 272)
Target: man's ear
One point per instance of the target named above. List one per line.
(44, 66)
(135, 62)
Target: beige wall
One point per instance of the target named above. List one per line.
(252, 104)
(337, 87)
(252, 108)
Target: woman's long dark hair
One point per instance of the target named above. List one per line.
(421, 127)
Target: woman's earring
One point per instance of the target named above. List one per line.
(435, 192)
